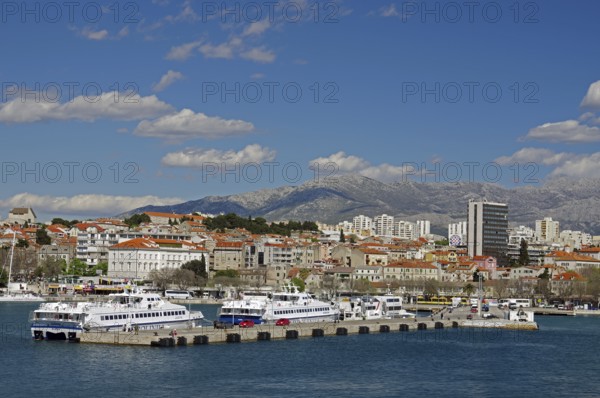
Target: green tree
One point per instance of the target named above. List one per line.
(137, 219)
(469, 289)
(299, 283)
(198, 267)
(342, 237)
(523, 253)
(227, 273)
(22, 243)
(41, 237)
(77, 267)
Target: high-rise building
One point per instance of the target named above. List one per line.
(487, 229)
(423, 228)
(546, 230)
(384, 225)
(405, 230)
(362, 223)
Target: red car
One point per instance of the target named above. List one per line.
(282, 322)
(473, 310)
(247, 323)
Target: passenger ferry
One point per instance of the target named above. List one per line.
(128, 311)
(250, 306)
(268, 308)
(299, 307)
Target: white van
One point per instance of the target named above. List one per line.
(178, 294)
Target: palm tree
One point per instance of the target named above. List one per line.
(469, 289)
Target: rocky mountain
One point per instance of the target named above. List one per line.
(576, 204)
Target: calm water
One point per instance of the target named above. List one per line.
(559, 360)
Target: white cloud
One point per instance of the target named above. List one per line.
(569, 131)
(111, 105)
(257, 76)
(389, 11)
(223, 50)
(579, 167)
(256, 28)
(184, 51)
(85, 204)
(187, 125)
(345, 163)
(167, 79)
(123, 32)
(259, 54)
(592, 97)
(542, 156)
(197, 157)
(94, 34)
(187, 14)
(350, 164)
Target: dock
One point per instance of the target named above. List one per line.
(264, 332)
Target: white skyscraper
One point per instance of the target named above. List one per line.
(384, 225)
(423, 228)
(362, 223)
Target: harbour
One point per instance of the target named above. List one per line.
(472, 361)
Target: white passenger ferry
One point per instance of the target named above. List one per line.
(298, 307)
(250, 306)
(129, 311)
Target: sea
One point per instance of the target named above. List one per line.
(561, 359)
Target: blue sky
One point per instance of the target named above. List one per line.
(107, 106)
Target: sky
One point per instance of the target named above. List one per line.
(111, 105)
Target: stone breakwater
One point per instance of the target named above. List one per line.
(210, 335)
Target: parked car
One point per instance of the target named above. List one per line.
(473, 310)
(282, 322)
(248, 323)
(470, 316)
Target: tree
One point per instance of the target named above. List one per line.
(184, 278)
(41, 237)
(228, 273)
(52, 267)
(523, 253)
(161, 277)
(362, 285)
(78, 267)
(198, 267)
(22, 243)
(469, 289)
(137, 219)
(342, 237)
(299, 283)
(431, 287)
(500, 287)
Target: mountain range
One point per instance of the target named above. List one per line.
(576, 204)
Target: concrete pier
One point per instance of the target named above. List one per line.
(264, 332)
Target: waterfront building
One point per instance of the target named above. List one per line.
(487, 229)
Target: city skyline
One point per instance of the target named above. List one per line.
(170, 101)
